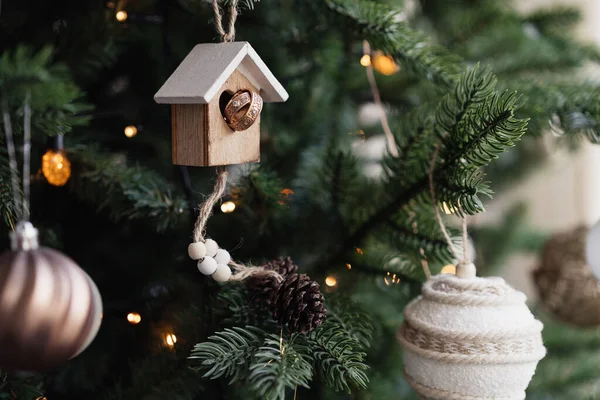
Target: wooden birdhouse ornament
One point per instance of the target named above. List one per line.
(217, 95)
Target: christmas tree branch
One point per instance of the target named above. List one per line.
(278, 365)
(135, 193)
(228, 353)
(376, 23)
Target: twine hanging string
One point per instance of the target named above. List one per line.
(21, 199)
(389, 136)
(226, 36)
(242, 272)
(463, 259)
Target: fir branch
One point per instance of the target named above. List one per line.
(376, 23)
(338, 357)
(355, 322)
(279, 365)
(228, 353)
(126, 192)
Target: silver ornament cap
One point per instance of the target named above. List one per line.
(24, 237)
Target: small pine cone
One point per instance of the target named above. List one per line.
(265, 288)
(299, 303)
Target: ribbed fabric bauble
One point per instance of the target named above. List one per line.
(567, 287)
(50, 309)
(470, 339)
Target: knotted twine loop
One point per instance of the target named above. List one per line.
(242, 272)
(463, 259)
(233, 13)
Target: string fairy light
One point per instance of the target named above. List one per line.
(448, 269)
(228, 207)
(130, 131)
(384, 64)
(170, 339)
(121, 16)
(365, 60)
(349, 266)
(331, 281)
(134, 318)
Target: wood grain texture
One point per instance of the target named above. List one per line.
(208, 66)
(189, 140)
(225, 146)
(202, 138)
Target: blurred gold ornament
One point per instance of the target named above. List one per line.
(56, 167)
(365, 60)
(330, 281)
(448, 269)
(384, 64)
(121, 16)
(565, 282)
(170, 339)
(227, 207)
(134, 318)
(130, 131)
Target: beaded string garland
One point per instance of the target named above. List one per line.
(465, 337)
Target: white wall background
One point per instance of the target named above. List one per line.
(566, 191)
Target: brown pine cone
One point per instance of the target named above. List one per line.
(299, 303)
(265, 288)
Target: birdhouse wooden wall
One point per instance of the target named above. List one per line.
(201, 137)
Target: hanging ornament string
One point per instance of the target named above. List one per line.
(228, 36)
(21, 199)
(377, 98)
(464, 269)
(242, 272)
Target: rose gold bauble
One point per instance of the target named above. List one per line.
(50, 309)
(565, 283)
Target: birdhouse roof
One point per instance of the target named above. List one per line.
(206, 68)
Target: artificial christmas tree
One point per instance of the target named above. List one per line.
(362, 235)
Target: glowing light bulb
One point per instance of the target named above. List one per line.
(131, 131)
(365, 60)
(56, 167)
(360, 251)
(134, 318)
(349, 266)
(227, 207)
(384, 64)
(121, 16)
(448, 269)
(330, 281)
(170, 339)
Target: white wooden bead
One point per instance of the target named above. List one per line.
(222, 257)
(207, 266)
(222, 274)
(196, 250)
(211, 247)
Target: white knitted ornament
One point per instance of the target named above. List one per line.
(470, 339)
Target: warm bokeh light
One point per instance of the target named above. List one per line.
(287, 192)
(384, 64)
(348, 265)
(42, 398)
(359, 251)
(227, 207)
(365, 60)
(330, 281)
(170, 339)
(121, 16)
(391, 278)
(56, 167)
(448, 269)
(134, 318)
(131, 131)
